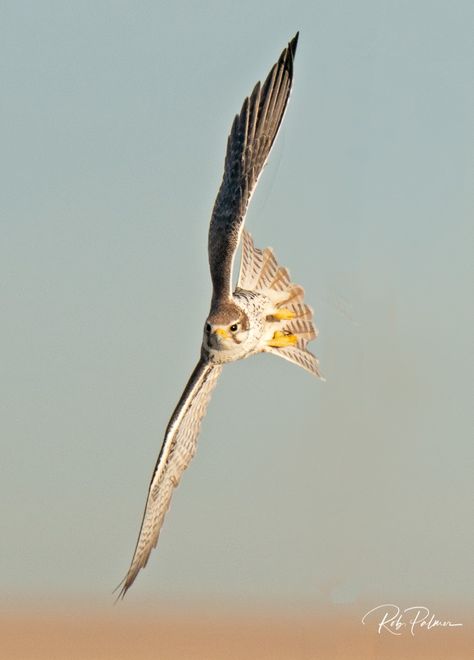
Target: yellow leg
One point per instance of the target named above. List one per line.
(280, 340)
(283, 314)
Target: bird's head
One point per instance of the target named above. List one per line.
(226, 327)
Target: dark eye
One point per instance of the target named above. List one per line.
(208, 327)
(233, 327)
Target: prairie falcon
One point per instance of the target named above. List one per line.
(264, 313)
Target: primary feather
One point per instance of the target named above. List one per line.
(251, 138)
(179, 446)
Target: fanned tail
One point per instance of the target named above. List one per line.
(294, 327)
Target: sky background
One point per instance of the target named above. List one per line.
(114, 119)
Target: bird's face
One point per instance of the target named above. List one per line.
(225, 337)
(226, 329)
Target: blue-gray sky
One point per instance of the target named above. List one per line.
(114, 119)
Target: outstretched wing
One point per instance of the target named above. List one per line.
(251, 138)
(176, 452)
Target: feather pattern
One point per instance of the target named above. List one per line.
(267, 309)
(178, 448)
(260, 271)
(251, 138)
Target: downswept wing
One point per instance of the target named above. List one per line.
(251, 138)
(177, 450)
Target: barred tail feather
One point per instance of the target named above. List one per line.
(303, 328)
(260, 271)
(301, 357)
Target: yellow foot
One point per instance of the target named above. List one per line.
(280, 340)
(283, 314)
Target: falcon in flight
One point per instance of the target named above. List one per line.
(264, 313)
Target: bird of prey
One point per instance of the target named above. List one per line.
(264, 313)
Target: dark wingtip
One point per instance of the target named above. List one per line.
(288, 55)
(124, 587)
(293, 43)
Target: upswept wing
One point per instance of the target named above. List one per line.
(178, 448)
(251, 138)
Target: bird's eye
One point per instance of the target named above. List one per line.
(208, 327)
(233, 327)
